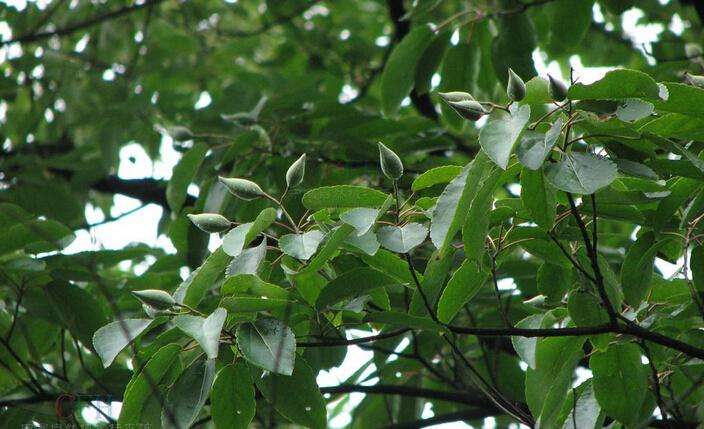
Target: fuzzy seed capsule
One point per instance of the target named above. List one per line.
(558, 90)
(180, 133)
(296, 172)
(210, 222)
(516, 88)
(242, 188)
(694, 79)
(158, 299)
(391, 164)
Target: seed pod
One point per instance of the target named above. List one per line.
(516, 88)
(210, 222)
(242, 188)
(295, 173)
(558, 90)
(694, 79)
(692, 51)
(158, 299)
(455, 96)
(180, 134)
(391, 164)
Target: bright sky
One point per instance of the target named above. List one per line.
(141, 226)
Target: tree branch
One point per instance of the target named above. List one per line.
(69, 29)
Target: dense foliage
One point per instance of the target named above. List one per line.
(384, 177)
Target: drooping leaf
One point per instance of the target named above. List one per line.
(248, 261)
(402, 239)
(140, 404)
(476, 225)
(301, 246)
(232, 402)
(234, 241)
(109, 340)
(183, 175)
(452, 206)
(188, 395)
(194, 288)
(501, 134)
(637, 268)
(399, 72)
(620, 381)
(463, 285)
(269, 344)
(206, 331)
(547, 384)
(296, 396)
(362, 219)
(538, 197)
(581, 173)
(535, 147)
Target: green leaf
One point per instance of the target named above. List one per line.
(547, 384)
(206, 331)
(637, 268)
(342, 196)
(301, 246)
(109, 340)
(585, 309)
(253, 304)
(463, 285)
(620, 381)
(335, 239)
(581, 173)
(697, 266)
(534, 147)
(188, 395)
(183, 175)
(476, 224)
(681, 191)
(451, 209)
(140, 401)
(616, 85)
(685, 99)
(538, 198)
(458, 73)
(353, 283)
(194, 288)
(268, 344)
(362, 219)
(584, 413)
(263, 220)
(513, 46)
(525, 347)
(296, 397)
(234, 241)
(252, 285)
(633, 109)
(500, 135)
(429, 62)
(435, 176)
(398, 76)
(367, 243)
(248, 261)
(402, 239)
(569, 23)
(675, 125)
(553, 280)
(232, 402)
